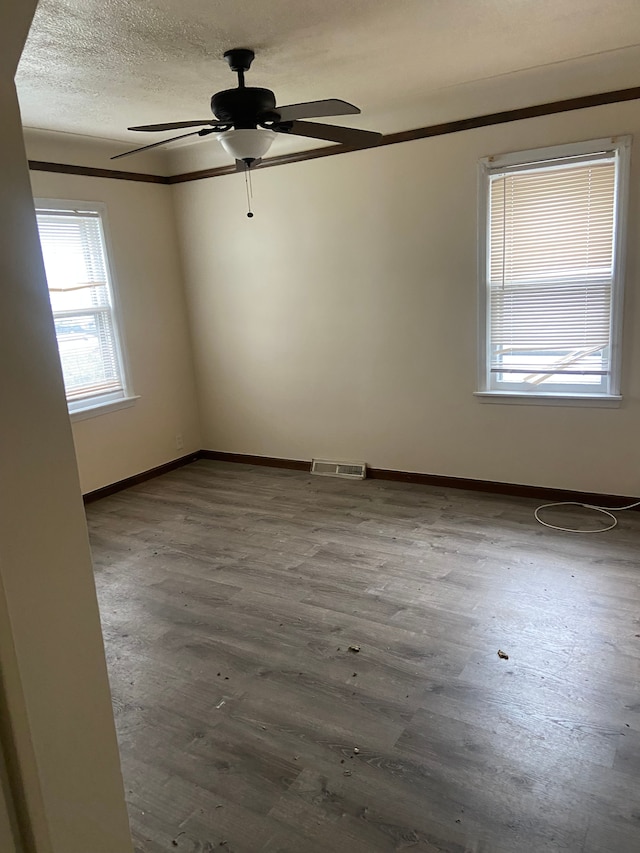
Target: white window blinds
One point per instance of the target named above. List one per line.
(79, 288)
(551, 270)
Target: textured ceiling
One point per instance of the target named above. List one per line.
(93, 67)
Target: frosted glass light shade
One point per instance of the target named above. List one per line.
(246, 144)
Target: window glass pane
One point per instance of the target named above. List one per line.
(555, 223)
(88, 354)
(72, 248)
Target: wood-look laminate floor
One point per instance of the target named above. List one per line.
(230, 595)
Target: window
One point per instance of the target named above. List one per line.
(82, 298)
(551, 270)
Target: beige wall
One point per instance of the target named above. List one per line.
(341, 321)
(9, 832)
(55, 707)
(146, 266)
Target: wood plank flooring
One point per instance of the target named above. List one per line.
(230, 595)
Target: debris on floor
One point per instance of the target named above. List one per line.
(356, 750)
(354, 649)
(503, 655)
(346, 772)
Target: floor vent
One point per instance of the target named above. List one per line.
(351, 470)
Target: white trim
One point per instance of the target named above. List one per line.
(483, 254)
(102, 408)
(496, 162)
(620, 147)
(611, 401)
(115, 296)
(622, 207)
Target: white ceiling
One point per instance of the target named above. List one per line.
(96, 66)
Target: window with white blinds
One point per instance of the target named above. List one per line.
(80, 290)
(552, 273)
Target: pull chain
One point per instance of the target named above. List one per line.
(247, 185)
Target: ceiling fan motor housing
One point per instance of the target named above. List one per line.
(244, 108)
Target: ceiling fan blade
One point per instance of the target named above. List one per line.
(316, 109)
(330, 132)
(156, 144)
(173, 125)
(204, 132)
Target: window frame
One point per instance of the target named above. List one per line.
(90, 407)
(620, 146)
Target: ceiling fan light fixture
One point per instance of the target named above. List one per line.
(246, 143)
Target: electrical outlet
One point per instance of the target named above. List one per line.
(179, 441)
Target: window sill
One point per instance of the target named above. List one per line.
(611, 401)
(102, 408)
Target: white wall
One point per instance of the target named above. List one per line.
(147, 270)
(54, 693)
(341, 321)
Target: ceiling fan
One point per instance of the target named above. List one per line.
(247, 120)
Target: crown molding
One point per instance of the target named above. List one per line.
(536, 111)
(90, 171)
